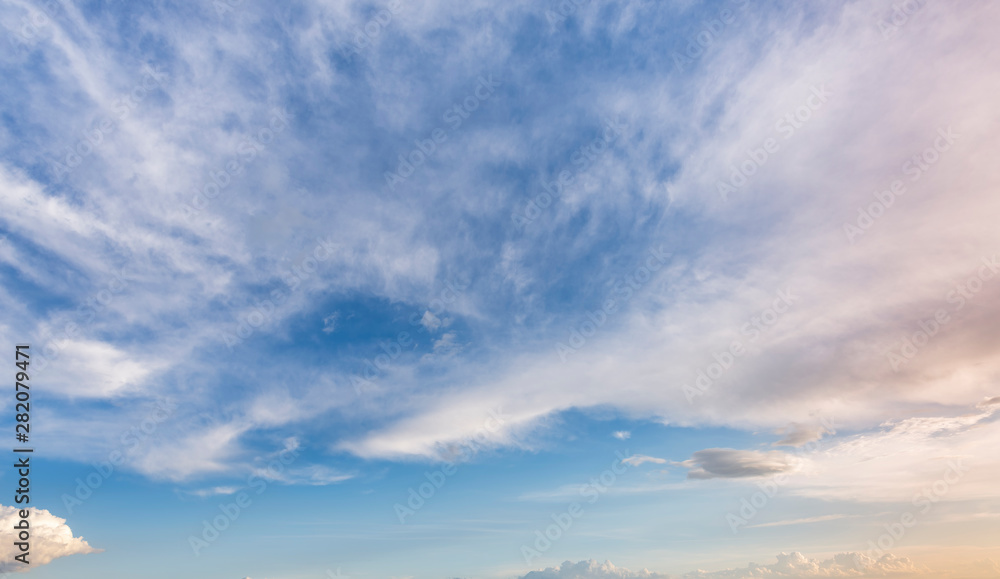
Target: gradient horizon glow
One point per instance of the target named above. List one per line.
(556, 289)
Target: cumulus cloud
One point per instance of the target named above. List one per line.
(622, 434)
(797, 566)
(591, 570)
(732, 463)
(51, 538)
(788, 565)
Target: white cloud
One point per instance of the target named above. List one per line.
(210, 449)
(50, 539)
(591, 570)
(638, 459)
(796, 566)
(214, 491)
(827, 354)
(430, 321)
(444, 348)
(990, 401)
(621, 434)
(330, 323)
(789, 565)
(806, 520)
(313, 475)
(905, 457)
(91, 369)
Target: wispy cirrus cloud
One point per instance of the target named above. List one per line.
(191, 282)
(640, 459)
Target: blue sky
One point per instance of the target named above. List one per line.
(736, 257)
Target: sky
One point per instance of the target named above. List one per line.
(544, 289)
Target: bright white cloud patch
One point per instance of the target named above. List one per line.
(934, 456)
(87, 368)
(50, 539)
(639, 459)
